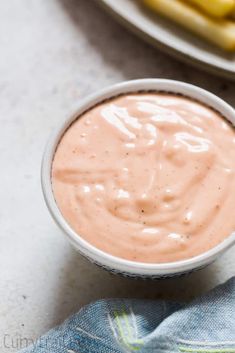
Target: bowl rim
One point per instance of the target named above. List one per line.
(85, 248)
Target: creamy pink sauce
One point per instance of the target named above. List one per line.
(148, 177)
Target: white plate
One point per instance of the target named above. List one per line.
(170, 37)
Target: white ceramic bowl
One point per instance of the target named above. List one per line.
(112, 263)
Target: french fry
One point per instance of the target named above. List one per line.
(216, 8)
(233, 13)
(220, 32)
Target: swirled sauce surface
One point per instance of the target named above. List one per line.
(148, 177)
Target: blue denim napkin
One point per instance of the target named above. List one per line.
(207, 325)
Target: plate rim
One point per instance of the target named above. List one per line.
(166, 48)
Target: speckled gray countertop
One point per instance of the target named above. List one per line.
(54, 52)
